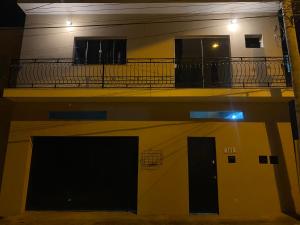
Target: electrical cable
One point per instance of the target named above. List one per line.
(139, 23)
(38, 7)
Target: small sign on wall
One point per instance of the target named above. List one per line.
(151, 159)
(229, 150)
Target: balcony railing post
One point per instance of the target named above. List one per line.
(202, 62)
(103, 73)
(12, 76)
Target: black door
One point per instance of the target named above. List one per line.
(203, 188)
(202, 62)
(83, 173)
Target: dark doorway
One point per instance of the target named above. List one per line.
(202, 62)
(203, 187)
(83, 173)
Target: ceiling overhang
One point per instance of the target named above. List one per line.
(149, 8)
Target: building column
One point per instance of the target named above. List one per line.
(294, 57)
(5, 118)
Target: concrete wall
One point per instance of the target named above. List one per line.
(147, 37)
(146, 40)
(246, 189)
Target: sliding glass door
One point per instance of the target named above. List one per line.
(202, 62)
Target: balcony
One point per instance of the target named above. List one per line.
(233, 72)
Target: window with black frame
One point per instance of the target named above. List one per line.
(100, 51)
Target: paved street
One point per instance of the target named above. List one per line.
(107, 218)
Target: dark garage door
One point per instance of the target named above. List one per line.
(83, 173)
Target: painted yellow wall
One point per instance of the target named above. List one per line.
(149, 94)
(152, 111)
(246, 189)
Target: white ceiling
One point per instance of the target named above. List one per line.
(149, 8)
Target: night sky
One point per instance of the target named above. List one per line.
(11, 14)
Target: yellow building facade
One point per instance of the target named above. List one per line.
(137, 100)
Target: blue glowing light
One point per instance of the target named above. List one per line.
(235, 116)
(225, 115)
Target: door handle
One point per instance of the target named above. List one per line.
(213, 162)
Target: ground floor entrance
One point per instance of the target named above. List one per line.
(154, 168)
(83, 173)
(100, 173)
(203, 188)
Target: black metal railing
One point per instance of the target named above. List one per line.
(233, 72)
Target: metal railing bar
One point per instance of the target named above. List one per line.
(229, 72)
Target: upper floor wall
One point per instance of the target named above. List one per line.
(150, 28)
(149, 36)
(51, 31)
(10, 46)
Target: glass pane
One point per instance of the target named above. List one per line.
(188, 53)
(120, 51)
(216, 54)
(188, 48)
(216, 47)
(93, 52)
(80, 51)
(107, 53)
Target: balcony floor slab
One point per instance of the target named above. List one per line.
(147, 95)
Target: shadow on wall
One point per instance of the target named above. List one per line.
(10, 46)
(155, 47)
(287, 202)
(5, 117)
(4, 73)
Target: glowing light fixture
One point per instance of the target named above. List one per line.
(69, 22)
(223, 115)
(235, 116)
(234, 21)
(69, 25)
(215, 45)
(232, 26)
